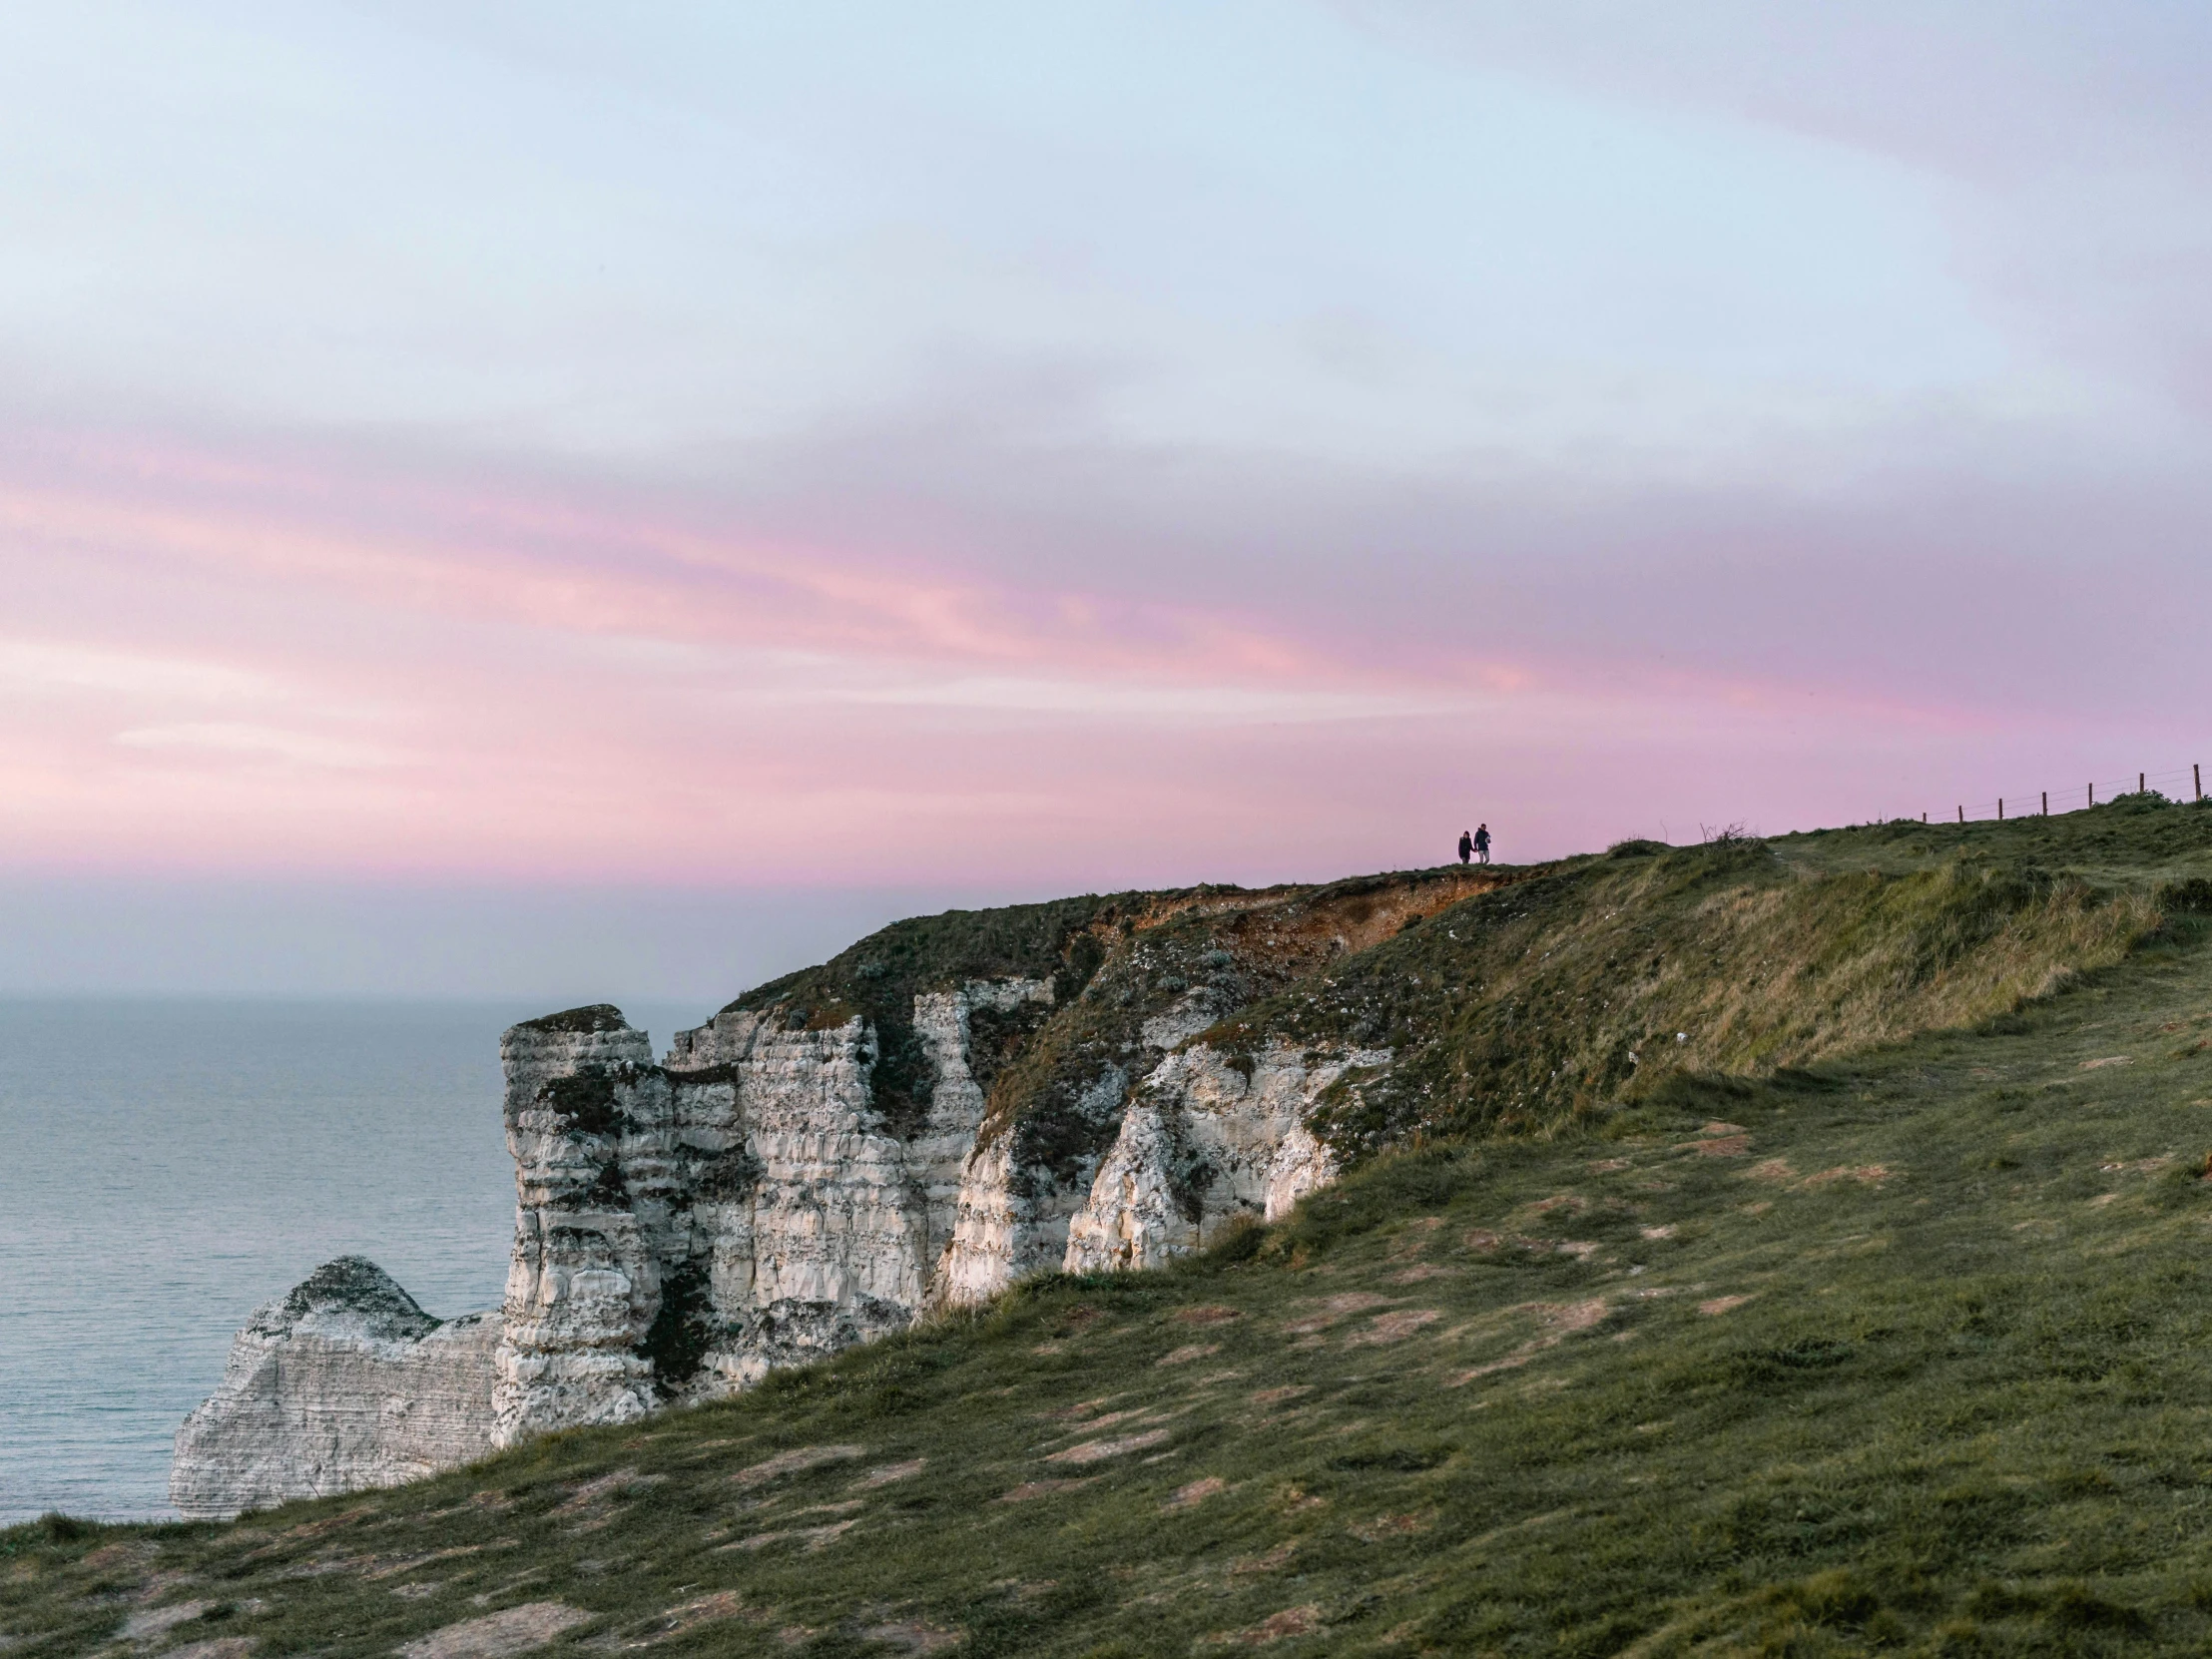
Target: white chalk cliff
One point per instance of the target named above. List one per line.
(1210, 1137)
(343, 1382)
(818, 1165)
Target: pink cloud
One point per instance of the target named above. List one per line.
(497, 556)
(221, 665)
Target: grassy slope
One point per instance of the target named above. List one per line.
(1545, 1003)
(1904, 1352)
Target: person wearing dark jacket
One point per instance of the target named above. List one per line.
(1482, 842)
(1467, 845)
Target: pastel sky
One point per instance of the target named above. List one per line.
(493, 491)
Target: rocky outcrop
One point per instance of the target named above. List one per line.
(1143, 1210)
(843, 1220)
(589, 1124)
(342, 1382)
(951, 1105)
(1014, 1214)
(1210, 1137)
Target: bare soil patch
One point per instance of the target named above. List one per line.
(1867, 1175)
(497, 1635)
(793, 1463)
(1393, 1526)
(1080, 1409)
(1569, 1317)
(1415, 1275)
(1040, 1489)
(814, 1537)
(159, 1621)
(1207, 1314)
(1394, 1327)
(911, 1637)
(592, 1495)
(1276, 1627)
(1184, 1356)
(1097, 1451)
(884, 1475)
(1273, 1560)
(1197, 1492)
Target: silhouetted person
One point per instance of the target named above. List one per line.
(1482, 842)
(1466, 847)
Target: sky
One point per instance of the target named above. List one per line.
(568, 500)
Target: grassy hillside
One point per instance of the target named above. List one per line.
(1871, 1317)
(1550, 1002)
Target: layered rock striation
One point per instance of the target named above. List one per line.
(950, 1105)
(589, 1122)
(341, 1383)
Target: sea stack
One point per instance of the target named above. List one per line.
(342, 1382)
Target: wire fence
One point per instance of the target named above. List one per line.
(2177, 784)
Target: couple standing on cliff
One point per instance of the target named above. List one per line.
(1475, 844)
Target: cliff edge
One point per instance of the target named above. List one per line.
(960, 1102)
(954, 1103)
(1789, 1248)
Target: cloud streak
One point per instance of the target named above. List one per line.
(388, 675)
(1135, 445)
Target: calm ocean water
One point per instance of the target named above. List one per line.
(170, 1165)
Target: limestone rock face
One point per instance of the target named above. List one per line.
(943, 1151)
(680, 1231)
(1013, 1218)
(1300, 1165)
(820, 1236)
(952, 1104)
(835, 1223)
(1205, 1141)
(1136, 1217)
(588, 1121)
(342, 1384)
(994, 1236)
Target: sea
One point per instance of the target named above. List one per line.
(166, 1166)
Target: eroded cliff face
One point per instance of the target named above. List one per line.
(951, 1105)
(1014, 1213)
(832, 1220)
(341, 1383)
(1068, 1173)
(1210, 1137)
(589, 1124)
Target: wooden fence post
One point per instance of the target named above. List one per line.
(2000, 809)
(2092, 795)
(2046, 804)
(2139, 783)
(1961, 815)
(2197, 770)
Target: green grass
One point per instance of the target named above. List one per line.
(1547, 1003)
(1902, 1350)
